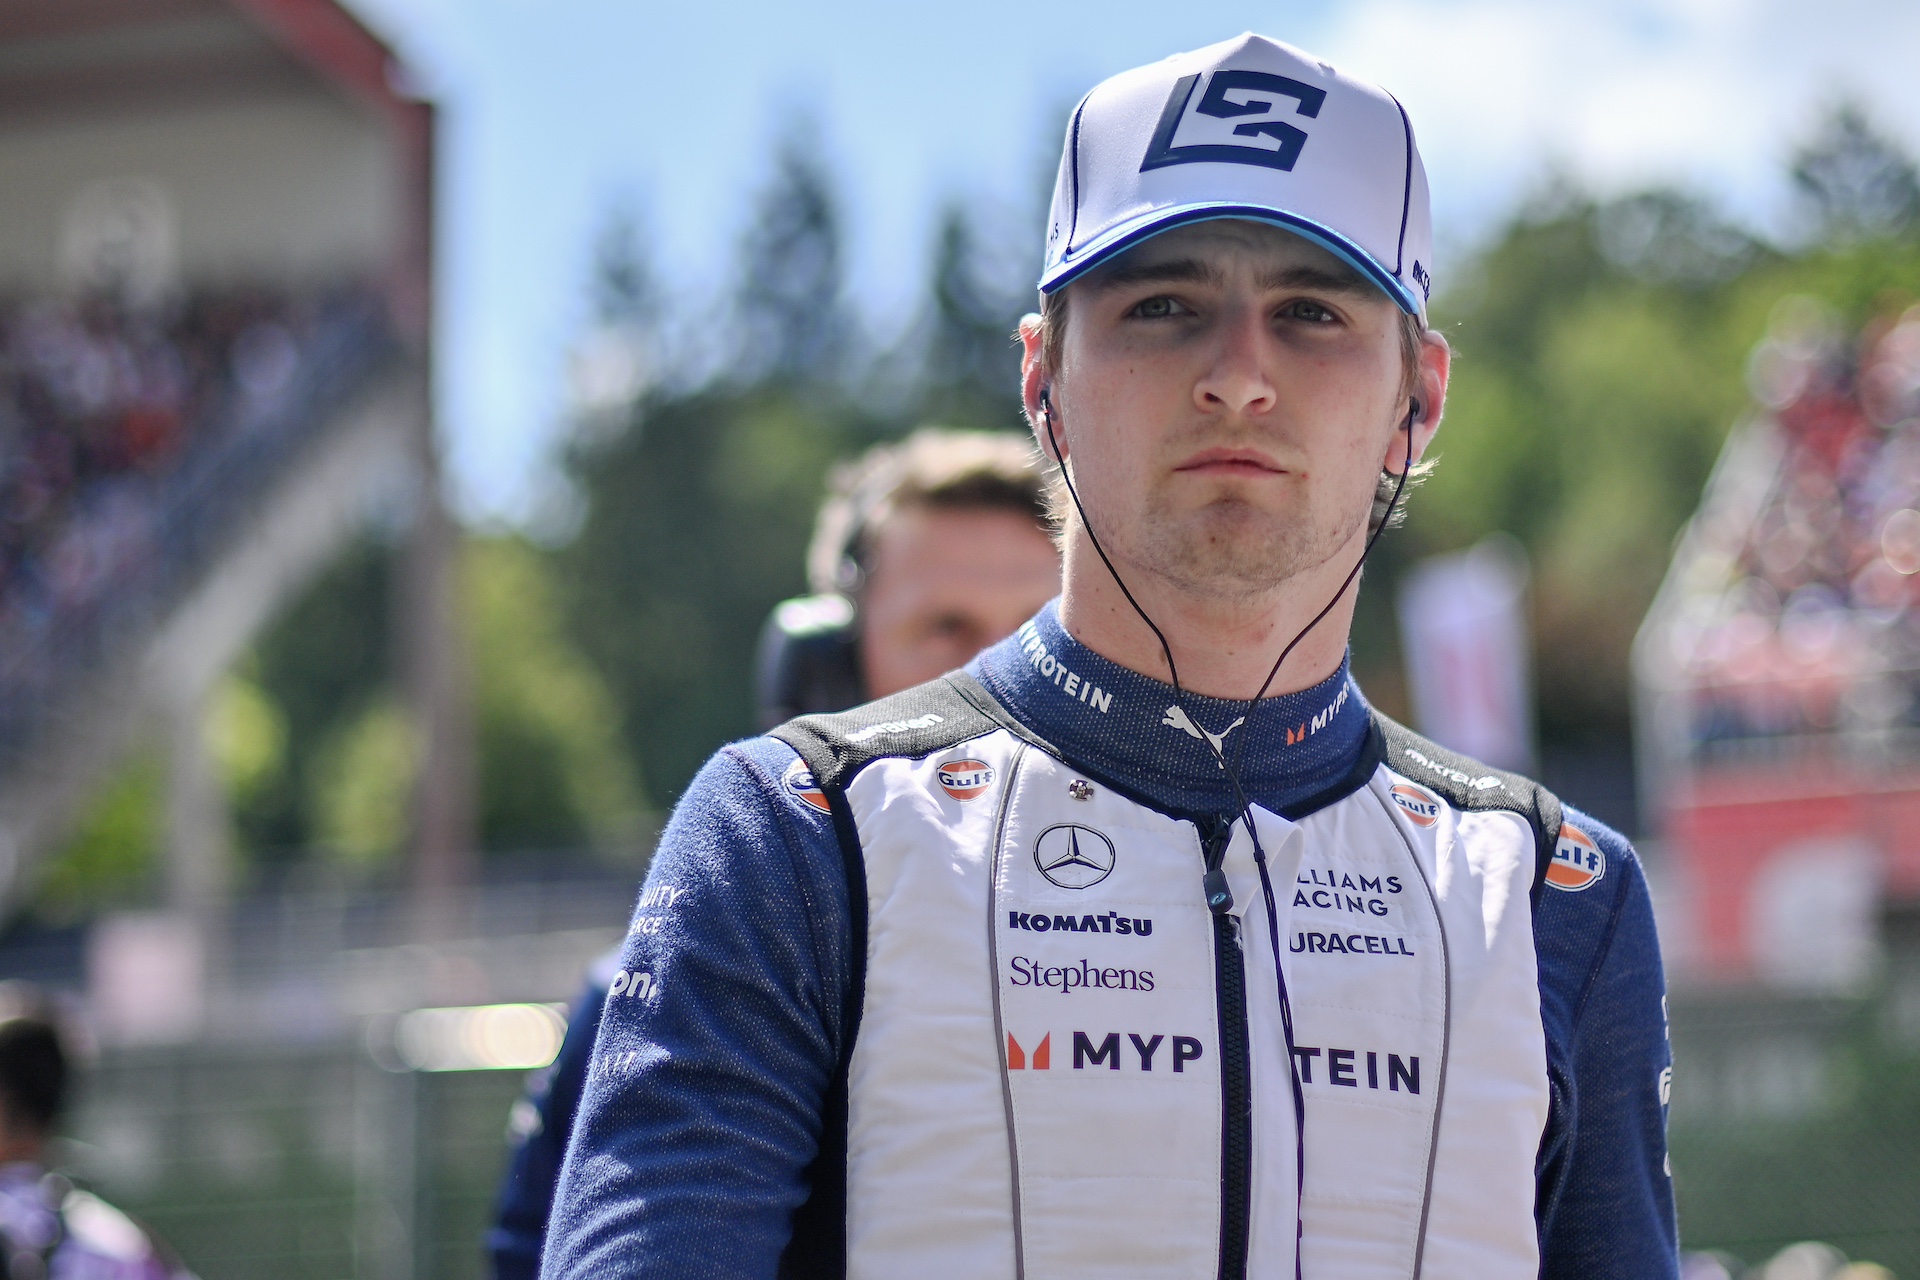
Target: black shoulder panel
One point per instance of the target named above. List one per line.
(916, 722)
(1473, 787)
(912, 723)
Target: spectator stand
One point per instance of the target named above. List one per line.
(1778, 735)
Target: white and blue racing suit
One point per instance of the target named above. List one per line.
(987, 979)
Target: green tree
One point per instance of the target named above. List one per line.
(791, 322)
(554, 769)
(1856, 183)
(697, 518)
(970, 375)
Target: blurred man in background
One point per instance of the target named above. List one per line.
(924, 553)
(47, 1228)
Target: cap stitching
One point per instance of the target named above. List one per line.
(1073, 205)
(1406, 191)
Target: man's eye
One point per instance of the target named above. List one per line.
(1158, 308)
(1303, 309)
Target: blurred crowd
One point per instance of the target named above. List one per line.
(104, 405)
(1800, 617)
(96, 399)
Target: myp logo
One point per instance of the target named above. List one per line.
(1234, 95)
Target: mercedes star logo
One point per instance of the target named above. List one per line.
(1073, 856)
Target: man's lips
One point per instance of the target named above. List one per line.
(1231, 462)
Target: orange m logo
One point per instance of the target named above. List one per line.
(1042, 1054)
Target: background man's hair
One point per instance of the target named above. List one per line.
(1053, 337)
(934, 468)
(33, 1062)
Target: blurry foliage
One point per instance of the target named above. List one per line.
(1856, 182)
(360, 785)
(247, 738)
(790, 315)
(319, 667)
(317, 750)
(697, 519)
(1599, 358)
(970, 374)
(554, 771)
(113, 856)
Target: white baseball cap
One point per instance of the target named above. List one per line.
(1247, 128)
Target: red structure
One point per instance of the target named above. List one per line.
(1779, 669)
(167, 160)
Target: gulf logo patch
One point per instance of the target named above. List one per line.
(1577, 861)
(1419, 806)
(965, 779)
(800, 782)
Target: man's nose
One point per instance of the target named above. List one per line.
(1237, 383)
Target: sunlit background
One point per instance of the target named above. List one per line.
(409, 413)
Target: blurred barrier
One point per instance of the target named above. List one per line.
(1796, 1120)
(330, 1111)
(289, 1163)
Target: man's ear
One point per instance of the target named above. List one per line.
(1430, 391)
(1035, 389)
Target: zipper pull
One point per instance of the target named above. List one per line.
(1214, 850)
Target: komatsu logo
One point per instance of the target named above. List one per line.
(1109, 922)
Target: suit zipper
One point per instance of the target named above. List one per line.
(1236, 1091)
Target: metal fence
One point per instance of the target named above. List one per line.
(299, 1163)
(1800, 1120)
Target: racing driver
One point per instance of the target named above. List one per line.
(1142, 946)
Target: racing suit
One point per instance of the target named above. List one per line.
(986, 979)
(48, 1228)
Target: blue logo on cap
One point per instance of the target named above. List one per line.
(1161, 152)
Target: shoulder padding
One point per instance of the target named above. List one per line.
(1472, 787)
(910, 724)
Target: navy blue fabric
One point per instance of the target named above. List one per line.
(1607, 1208)
(1297, 745)
(533, 1167)
(701, 1113)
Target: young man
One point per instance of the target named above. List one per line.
(1103, 958)
(924, 553)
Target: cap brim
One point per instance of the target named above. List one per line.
(1119, 239)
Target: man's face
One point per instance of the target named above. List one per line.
(944, 584)
(1227, 395)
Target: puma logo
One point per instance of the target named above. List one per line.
(1177, 718)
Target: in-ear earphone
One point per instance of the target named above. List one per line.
(1416, 412)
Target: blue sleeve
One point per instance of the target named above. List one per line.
(720, 1040)
(542, 1122)
(1607, 1191)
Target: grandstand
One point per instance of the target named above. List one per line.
(1778, 727)
(215, 274)
(1779, 668)
(214, 282)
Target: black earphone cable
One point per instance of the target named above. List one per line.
(1220, 897)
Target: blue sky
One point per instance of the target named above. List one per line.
(554, 108)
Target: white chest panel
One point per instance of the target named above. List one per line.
(1036, 1085)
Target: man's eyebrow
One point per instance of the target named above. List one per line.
(1123, 274)
(1315, 279)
